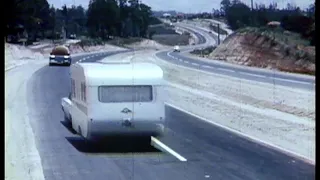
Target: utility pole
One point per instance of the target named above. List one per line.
(218, 34)
(252, 14)
(251, 5)
(64, 35)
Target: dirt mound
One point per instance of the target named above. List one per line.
(16, 55)
(75, 48)
(20, 52)
(267, 50)
(148, 44)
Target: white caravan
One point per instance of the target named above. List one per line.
(115, 99)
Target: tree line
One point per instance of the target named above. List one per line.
(102, 19)
(292, 18)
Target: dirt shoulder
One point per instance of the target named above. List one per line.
(22, 160)
(266, 48)
(17, 55)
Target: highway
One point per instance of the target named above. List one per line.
(211, 152)
(254, 74)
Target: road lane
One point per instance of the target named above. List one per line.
(212, 153)
(259, 76)
(271, 77)
(235, 156)
(64, 155)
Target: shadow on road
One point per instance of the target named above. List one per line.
(68, 127)
(58, 65)
(113, 145)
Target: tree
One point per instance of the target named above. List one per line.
(225, 4)
(118, 18)
(238, 15)
(145, 15)
(33, 15)
(52, 22)
(311, 10)
(103, 16)
(103, 19)
(292, 18)
(297, 23)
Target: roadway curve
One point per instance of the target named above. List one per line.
(211, 152)
(249, 73)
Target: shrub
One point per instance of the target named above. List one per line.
(204, 51)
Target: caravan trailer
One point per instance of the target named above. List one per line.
(115, 99)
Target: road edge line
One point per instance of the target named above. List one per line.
(163, 147)
(249, 137)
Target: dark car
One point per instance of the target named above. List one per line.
(60, 55)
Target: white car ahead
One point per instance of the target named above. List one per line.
(176, 49)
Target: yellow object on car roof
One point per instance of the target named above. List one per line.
(60, 50)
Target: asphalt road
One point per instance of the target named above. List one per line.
(271, 77)
(211, 152)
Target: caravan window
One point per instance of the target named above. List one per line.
(83, 92)
(111, 94)
(73, 89)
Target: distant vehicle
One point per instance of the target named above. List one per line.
(60, 55)
(115, 99)
(176, 49)
(73, 36)
(173, 20)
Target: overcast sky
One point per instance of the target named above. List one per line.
(186, 6)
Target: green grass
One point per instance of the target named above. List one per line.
(161, 29)
(124, 41)
(117, 41)
(215, 29)
(172, 39)
(85, 41)
(204, 51)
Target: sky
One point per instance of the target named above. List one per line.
(188, 6)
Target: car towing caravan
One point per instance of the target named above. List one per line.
(115, 99)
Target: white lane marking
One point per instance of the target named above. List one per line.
(288, 80)
(223, 69)
(209, 67)
(169, 54)
(254, 139)
(195, 64)
(186, 62)
(180, 60)
(158, 144)
(257, 75)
